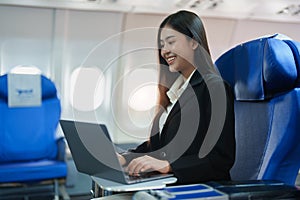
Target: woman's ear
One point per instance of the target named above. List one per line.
(195, 44)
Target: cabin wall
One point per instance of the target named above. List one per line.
(119, 44)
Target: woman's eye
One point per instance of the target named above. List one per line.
(171, 42)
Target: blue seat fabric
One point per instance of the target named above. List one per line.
(264, 74)
(28, 146)
(32, 171)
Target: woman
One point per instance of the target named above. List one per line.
(192, 135)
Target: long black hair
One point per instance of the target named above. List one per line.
(189, 24)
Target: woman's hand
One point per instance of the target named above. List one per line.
(121, 158)
(147, 163)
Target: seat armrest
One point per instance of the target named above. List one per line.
(61, 149)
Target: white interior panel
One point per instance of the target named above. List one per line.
(90, 39)
(25, 38)
(219, 32)
(250, 29)
(119, 38)
(138, 61)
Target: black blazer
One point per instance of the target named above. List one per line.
(204, 111)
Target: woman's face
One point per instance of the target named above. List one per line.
(177, 50)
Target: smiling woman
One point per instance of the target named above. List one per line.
(192, 134)
(177, 50)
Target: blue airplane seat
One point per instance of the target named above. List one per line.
(265, 76)
(29, 149)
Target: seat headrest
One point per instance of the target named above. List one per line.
(48, 87)
(295, 47)
(261, 68)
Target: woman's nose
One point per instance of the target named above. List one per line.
(165, 50)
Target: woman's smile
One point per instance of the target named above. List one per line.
(170, 59)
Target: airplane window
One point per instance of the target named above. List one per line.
(141, 88)
(87, 88)
(143, 98)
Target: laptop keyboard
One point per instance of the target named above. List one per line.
(144, 175)
(147, 176)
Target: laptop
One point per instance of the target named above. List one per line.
(94, 153)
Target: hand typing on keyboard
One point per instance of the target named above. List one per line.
(146, 164)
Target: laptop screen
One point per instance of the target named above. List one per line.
(91, 147)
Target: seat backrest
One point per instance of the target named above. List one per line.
(28, 133)
(265, 76)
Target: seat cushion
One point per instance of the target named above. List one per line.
(32, 171)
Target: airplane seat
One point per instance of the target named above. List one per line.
(265, 76)
(30, 152)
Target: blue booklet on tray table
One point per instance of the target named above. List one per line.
(225, 190)
(190, 192)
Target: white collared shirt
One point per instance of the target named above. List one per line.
(174, 93)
